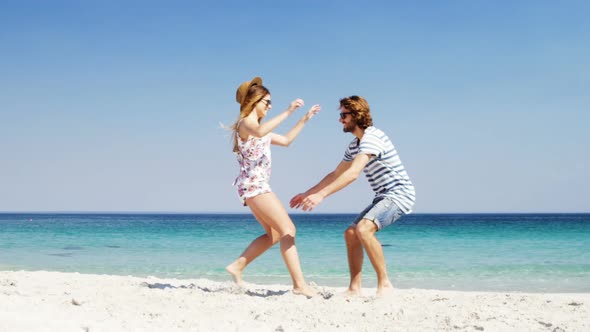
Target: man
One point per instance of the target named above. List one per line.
(370, 151)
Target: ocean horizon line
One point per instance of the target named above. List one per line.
(89, 212)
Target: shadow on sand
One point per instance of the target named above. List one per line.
(229, 289)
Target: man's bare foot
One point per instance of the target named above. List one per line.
(385, 290)
(306, 291)
(235, 273)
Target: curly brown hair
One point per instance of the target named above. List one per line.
(361, 113)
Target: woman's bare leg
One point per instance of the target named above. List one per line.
(271, 211)
(255, 249)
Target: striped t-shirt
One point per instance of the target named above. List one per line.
(385, 171)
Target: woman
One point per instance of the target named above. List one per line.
(252, 140)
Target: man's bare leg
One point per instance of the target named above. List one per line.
(354, 250)
(366, 230)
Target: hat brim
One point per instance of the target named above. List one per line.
(243, 89)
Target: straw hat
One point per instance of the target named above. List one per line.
(243, 89)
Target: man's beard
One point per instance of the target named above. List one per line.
(348, 128)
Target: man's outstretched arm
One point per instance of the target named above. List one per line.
(332, 183)
(296, 201)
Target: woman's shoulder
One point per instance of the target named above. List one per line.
(253, 139)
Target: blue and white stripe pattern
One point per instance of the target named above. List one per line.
(385, 171)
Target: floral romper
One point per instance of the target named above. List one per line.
(254, 159)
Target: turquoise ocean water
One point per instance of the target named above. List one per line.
(485, 252)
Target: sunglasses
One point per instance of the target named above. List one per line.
(344, 114)
(267, 103)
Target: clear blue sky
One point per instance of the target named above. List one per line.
(116, 105)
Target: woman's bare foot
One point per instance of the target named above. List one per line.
(385, 290)
(352, 292)
(235, 273)
(306, 291)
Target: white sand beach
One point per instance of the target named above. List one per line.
(53, 301)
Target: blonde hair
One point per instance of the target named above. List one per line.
(254, 95)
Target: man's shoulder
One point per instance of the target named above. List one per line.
(373, 132)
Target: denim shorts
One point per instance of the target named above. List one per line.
(383, 212)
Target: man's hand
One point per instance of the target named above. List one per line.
(296, 201)
(306, 202)
(311, 201)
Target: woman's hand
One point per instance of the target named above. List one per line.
(312, 111)
(295, 104)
